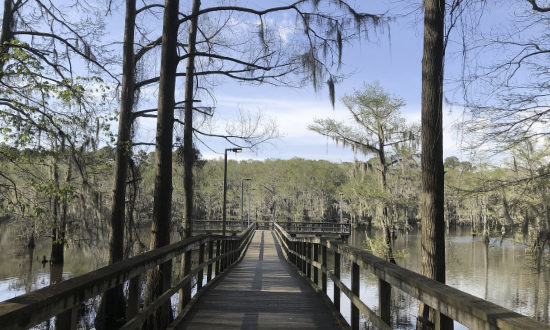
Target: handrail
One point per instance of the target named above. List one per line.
(315, 227)
(216, 226)
(213, 226)
(30, 309)
(466, 309)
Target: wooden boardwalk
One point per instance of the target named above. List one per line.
(261, 292)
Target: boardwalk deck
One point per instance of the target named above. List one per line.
(261, 292)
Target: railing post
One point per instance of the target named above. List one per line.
(337, 275)
(185, 291)
(308, 256)
(298, 255)
(134, 290)
(231, 254)
(316, 259)
(224, 256)
(218, 253)
(228, 250)
(68, 319)
(200, 274)
(324, 263)
(238, 248)
(355, 292)
(229, 258)
(295, 250)
(225, 248)
(290, 250)
(210, 255)
(304, 253)
(384, 300)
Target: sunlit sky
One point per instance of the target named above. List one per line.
(395, 62)
(391, 55)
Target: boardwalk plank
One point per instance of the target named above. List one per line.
(261, 292)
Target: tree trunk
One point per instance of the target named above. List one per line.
(387, 222)
(159, 278)
(56, 255)
(433, 222)
(188, 152)
(7, 32)
(112, 313)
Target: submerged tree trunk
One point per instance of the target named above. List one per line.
(112, 312)
(433, 222)
(58, 237)
(159, 278)
(188, 152)
(387, 222)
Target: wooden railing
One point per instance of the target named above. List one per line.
(265, 224)
(306, 228)
(66, 297)
(309, 256)
(216, 226)
(315, 227)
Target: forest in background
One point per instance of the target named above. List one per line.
(491, 200)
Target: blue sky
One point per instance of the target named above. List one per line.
(391, 55)
(393, 61)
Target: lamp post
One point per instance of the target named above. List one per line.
(341, 220)
(225, 184)
(249, 206)
(242, 200)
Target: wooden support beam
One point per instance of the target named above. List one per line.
(134, 292)
(355, 291)
(384, 300)
(337, 275)
(316, 259)
(324, 262)
(200, 274)
(210, 256)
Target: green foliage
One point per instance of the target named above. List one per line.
(378, 131)
(377, 246)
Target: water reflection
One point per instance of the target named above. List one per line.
(22, 269)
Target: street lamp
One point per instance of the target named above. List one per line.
(242, 200)
(225, 183)
(341, 220)
(249, 206)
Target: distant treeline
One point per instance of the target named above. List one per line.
(490, 199)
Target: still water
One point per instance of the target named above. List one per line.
(500, 272)
(22, 271)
